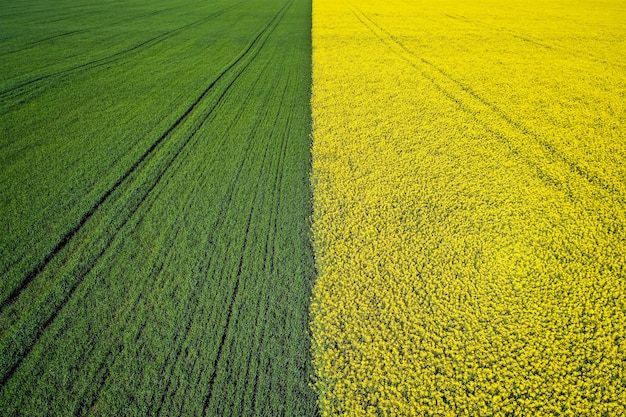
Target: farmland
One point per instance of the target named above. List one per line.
(469, 207)
(155, 199)
(168, 170)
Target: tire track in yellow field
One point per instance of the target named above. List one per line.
(468, 259)
(538, 42)
(475, 105)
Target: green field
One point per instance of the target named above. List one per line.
(155, 200)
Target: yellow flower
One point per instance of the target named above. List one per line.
(469, 207)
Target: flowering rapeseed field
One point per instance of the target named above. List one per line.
(470, 207)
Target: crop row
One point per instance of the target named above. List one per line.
(155, 164)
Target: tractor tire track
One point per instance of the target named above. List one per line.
(176, 357)
(151, 284)
(271, 239)
(235, 291)
(153, 278)
(86, 30)
(63, 241)
(88, 402)
(23, 92)
(273, 213)
(397, 47)
(61, 18)
(83, 273)
(538, 42)
(429, 300)
(245, 58)
(226, 202)
(59, 10)
(38, 42)
(253, 49)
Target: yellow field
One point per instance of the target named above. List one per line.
(469, 166)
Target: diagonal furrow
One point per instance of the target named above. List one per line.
(222, 214)
(27, 90)
(159, 261)
(86, 30)
(235, 291)
(229, 311)
(13, 354)
(60, 10)
(246, 57)
(66, 17)
(539, 42)
(105, 363)
(266, 259)
(224, 207)
(268, 266)
(40, 41)
(464, 95)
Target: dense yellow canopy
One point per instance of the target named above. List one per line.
(470, 205)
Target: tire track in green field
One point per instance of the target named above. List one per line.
(15, 353)
(23, 92)
(270, 242)
(192, 270)
(235, 291)
(72, 232)
(87, 30)
(457, 90)
(40, 41)
(178, 346)
(57, 9)
(241, 258)
(163, 254)
(66, 17)
(225, 207)
(270, 268)
(230, 309)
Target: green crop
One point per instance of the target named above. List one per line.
(154, 198)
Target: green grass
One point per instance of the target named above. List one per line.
(154, 197)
